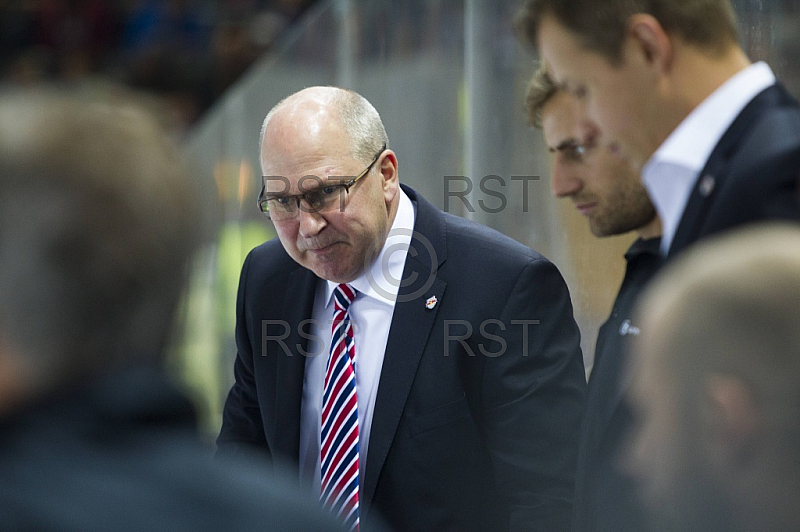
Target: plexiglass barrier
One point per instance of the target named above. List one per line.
(448, 78)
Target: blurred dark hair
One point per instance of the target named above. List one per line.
(601, 26)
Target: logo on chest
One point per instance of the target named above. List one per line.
(627, 328)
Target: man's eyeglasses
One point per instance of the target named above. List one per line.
(320, 199)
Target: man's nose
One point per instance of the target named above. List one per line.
(565, 181)
(311, 221)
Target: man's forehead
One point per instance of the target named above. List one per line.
(566, 78)
(295, 154)
(561, 49)
(293, 137)
(559, 121)
(558, 76)
(301, 124)
(295, 184)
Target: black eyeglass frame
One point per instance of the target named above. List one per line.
(314, 198)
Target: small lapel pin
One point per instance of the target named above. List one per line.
(707, 185)
(431, 302)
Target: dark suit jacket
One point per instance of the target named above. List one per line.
(122, 453)
(751, 175)
(472, 434)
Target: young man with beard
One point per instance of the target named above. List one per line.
(715, 138)
(612, 198)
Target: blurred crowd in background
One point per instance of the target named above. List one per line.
(184, 52)
(187, 52)
(416, 60)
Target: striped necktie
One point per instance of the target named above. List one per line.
(339, 429)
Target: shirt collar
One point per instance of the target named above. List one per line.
(691, 143)
(642, 247)
(382, 280)
(671, 173)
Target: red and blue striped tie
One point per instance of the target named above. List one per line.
(339, 431)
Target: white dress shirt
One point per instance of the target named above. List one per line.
(371, 316)
(673, 170)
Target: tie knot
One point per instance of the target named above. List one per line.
(343, 295)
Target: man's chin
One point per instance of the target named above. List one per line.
(600, 231)
(333, 272)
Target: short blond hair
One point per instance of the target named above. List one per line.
(541, 89)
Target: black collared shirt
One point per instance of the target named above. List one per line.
(605, 500)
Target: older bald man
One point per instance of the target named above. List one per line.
(407, 362)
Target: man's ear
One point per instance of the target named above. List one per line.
(652, 41)
(387, 167)
(735, 419)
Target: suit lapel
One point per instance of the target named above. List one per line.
(291, 369)
(408, 335)
(713, 176)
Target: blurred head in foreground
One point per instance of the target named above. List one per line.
(97, 221)
(716, 384)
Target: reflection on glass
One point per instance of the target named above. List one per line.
(448, 79)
